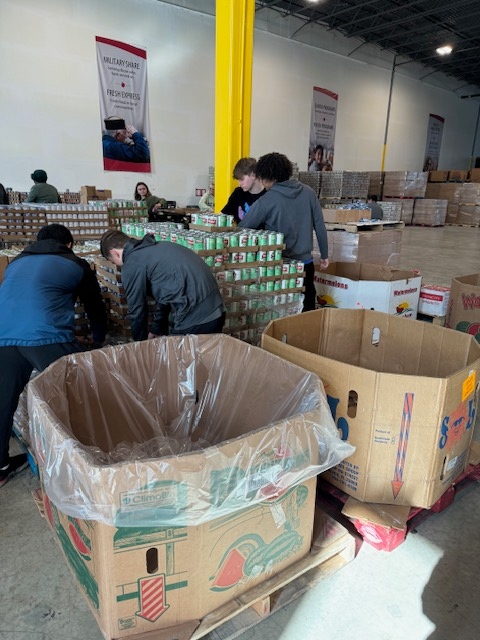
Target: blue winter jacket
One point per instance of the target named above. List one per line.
(38, 294)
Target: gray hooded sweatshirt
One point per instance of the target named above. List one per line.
(292, 208)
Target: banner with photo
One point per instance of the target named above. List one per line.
(434, 142)
(322, 130)
(122, 77)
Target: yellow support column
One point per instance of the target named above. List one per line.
(233, 90)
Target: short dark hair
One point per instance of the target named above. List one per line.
(318, 147)
(244, 167)
(57, 232)
(274, 166)
(373, 198)
(112, 239)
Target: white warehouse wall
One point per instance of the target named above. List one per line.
(50, 109)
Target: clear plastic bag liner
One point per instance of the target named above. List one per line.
(177, 431)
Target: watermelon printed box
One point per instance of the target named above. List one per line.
(178, 473)
(149, 578)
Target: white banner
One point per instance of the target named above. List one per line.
(322, 130)
(434, 142)
(122, 76)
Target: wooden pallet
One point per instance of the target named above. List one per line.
(333, 548)
(357, 227)
(388, 538)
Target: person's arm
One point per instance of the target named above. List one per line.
(255, 217)
(160, 321)
(32, 195)
(91, 296)
(320, 231)
(202, 205)
(231, 208)
(135, 283)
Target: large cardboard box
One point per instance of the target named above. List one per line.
(403, 393)
(438, 176)
(433, 300)
(177, 474)
(354, 285)
(464, 305)
(346, 215)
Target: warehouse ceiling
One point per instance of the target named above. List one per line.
(404, 33)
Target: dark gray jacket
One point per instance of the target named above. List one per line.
(176, 278)
(292, 208)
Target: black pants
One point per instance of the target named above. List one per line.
(310, 291)
(16, 366)
(214, 326)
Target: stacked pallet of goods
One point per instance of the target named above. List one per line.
(257, 284)
(403, 187)
(469, 204)
(430, 212)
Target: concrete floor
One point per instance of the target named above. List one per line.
(427, 588)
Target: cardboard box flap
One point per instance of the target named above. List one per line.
(177, 430)
(367, 271)
(382, 514)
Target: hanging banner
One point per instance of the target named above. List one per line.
(434, 142)
(322, 130)
(122, 77)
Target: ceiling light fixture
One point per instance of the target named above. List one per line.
(445, 50)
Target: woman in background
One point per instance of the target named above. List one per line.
(142, 192)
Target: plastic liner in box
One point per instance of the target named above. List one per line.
(258, 425)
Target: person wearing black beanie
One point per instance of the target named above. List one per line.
(41, 190)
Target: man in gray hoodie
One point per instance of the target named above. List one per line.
(292, 208)
(176, 277)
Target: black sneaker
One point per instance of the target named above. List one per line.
(15, 464)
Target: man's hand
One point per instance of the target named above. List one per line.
(324, 263)
(130, 129)
(151, 336)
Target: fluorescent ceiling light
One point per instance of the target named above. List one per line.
(444, 51)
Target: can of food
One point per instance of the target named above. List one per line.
(270, 271)
(262, 239)
(272, 238)
(252, 239)
(210, 243)
(270, 285)
(233, 240)
(280, 238)
(285, 283)
(286, 267)
(218, 239)
(292, 283)
(277, 285)
(220, 276)
(243, 239)
(218, 260)
(209, 261)
(299, 282)
(230, 221)
(222, 220)
(278, 270)
(251, 256)
(271, 255)
(262, 256)
(300, 266)
(228, 275)
(278, 254)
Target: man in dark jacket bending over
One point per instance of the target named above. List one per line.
(178, 280)
(37, 321)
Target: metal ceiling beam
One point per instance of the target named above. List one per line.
(381, 14)
(410, 18)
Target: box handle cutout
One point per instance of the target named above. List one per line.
(375, 336)
(284, 338)
(152, 560)
(352, 403)
(442, 473)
